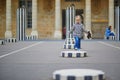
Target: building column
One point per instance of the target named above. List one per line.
(8, 33)
(34, 18)
(58, 30)
(111, 14)
(87, 16)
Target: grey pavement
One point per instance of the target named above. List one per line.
(37, 60)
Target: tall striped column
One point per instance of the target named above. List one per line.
(8, 33)
(34, 18)
(88, 15)
(111, 14)
(58, 31)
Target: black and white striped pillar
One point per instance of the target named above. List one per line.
(70, 20)
(117, 23)
(21, 23)
(69, 43)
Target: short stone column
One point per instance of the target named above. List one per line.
(34, 19)
(88, 15)
(58, 30)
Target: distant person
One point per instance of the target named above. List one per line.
(108, 32)
(78, 29)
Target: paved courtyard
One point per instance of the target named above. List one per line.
(37, 60)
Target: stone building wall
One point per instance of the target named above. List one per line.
(78, 5)
(46, 18)
(14, 7)
(99, 17)
(2, 18)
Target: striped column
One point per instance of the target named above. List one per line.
(34, 18)
(111, 14)
(88, 15)
(58, 31)
(8, 33)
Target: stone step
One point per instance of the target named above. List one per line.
(78, 74)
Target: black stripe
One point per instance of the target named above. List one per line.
(88, 78)
(69, 42)
(15, 40)
(2, 42)
(78, 55)
(12, 40)
(73, 42)
(69, 54)
(100, 77)
(63, 54)
(85, 54)
(8, 40)
(57, 76)
(69, 46)
(71, 78)
(64, 46)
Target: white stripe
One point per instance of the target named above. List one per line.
(109, 45)
(13, 52)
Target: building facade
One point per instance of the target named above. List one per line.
(46, 18)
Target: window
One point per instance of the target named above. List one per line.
(28, 5)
